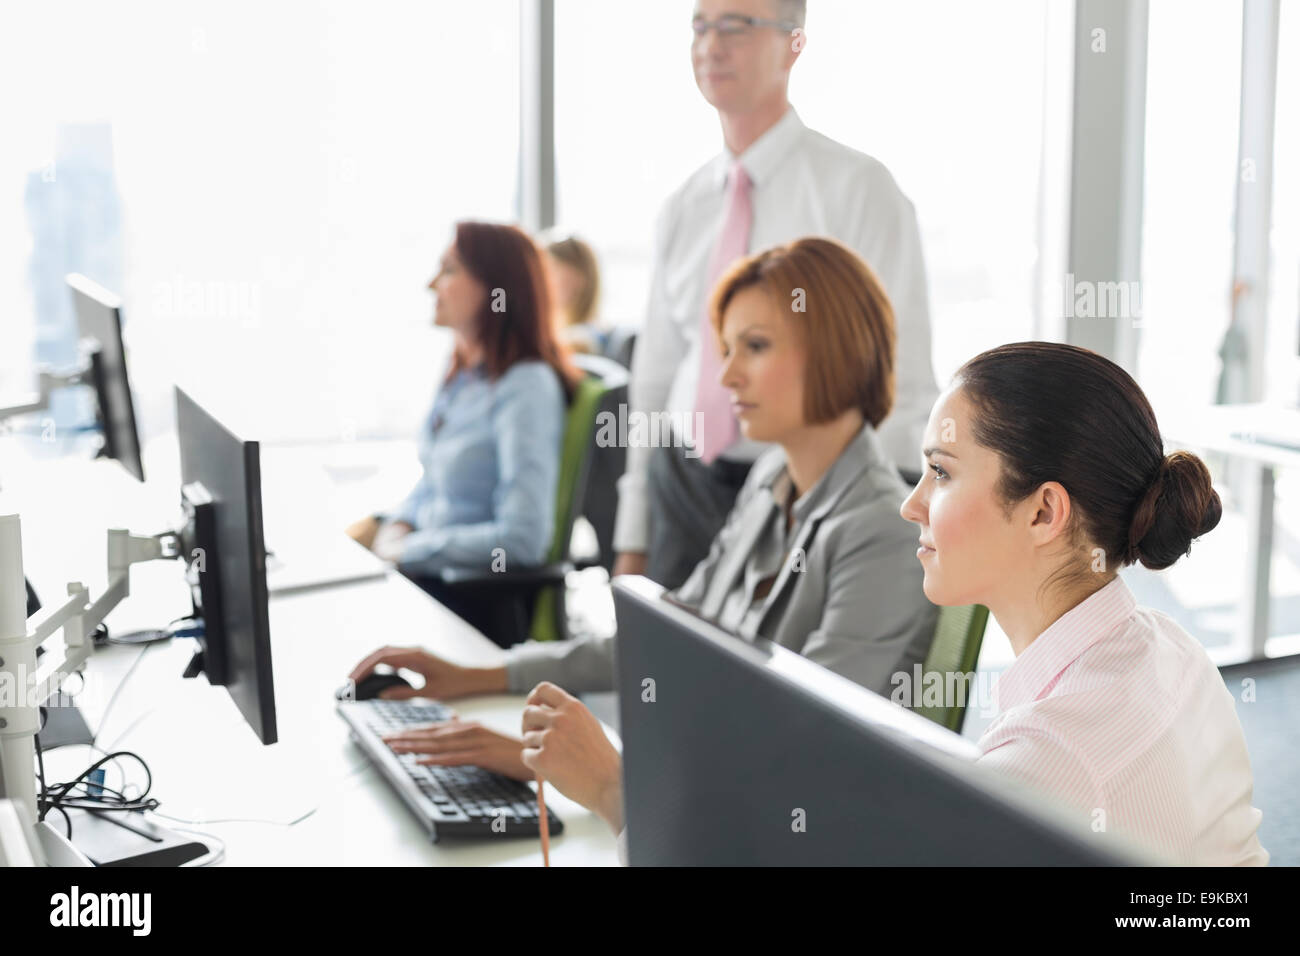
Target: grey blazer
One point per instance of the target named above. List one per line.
(847, 592)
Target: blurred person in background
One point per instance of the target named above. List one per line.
(490, 446)
(576, 276)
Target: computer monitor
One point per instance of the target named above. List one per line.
(744, 753)
(99, 324)
(225, 555)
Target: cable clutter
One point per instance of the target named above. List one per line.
(88, 791)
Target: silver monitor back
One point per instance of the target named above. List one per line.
(740, 753)
(99, 323)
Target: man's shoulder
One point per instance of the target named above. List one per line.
(819, 143)
(831, 156)
(845, 162)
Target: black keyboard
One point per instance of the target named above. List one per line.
(449, 801)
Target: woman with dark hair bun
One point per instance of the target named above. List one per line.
(1045, 473)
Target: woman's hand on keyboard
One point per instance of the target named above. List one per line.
(442, 680)
(455, 743)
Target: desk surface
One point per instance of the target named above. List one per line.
(207, 764)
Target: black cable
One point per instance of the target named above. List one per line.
(64, 796)
(63, 788)
(116, 763)
(117, 795)
(61, 795)
(40, 774)
(163, 631)
(40, 755)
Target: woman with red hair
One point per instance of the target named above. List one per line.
(490, 446)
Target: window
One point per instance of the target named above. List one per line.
(630, 126)
(964, 117)
(1189, 197)
(1283, 371)
(288, 175)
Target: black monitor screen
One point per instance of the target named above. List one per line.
(226, 553)
(99, 324)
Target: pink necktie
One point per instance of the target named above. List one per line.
(717, 424)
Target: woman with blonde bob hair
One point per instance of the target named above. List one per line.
(814, 556)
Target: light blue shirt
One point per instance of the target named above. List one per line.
(491, 458)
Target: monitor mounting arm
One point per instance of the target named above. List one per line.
(48, 381)
(24, 687)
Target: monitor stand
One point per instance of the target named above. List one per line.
(63, 724)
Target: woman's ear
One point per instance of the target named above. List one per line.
(1049, 512)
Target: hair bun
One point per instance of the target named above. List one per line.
(1179, 505)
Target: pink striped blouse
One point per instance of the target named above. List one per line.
(1117, 711)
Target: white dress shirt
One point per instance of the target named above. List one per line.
(1118, 712)
(804, 184)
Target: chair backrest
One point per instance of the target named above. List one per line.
(955, 650)
(603, 377)
(573, 459)
(620, 344)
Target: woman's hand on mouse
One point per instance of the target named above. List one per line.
(442, 680)
(453, 743)
(567, 747)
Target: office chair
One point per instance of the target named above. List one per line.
(512, 605)
(955, 650)
(599, 503)
(620, 344)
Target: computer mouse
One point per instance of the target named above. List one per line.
(370, 686)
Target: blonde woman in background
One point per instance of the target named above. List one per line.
(576, 276)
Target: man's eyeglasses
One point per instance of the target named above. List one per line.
(737, 26)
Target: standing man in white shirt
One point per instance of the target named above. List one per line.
(776, 181)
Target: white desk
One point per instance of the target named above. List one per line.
(207, 764)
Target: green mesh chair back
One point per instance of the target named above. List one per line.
(579, 429)
(954, 651)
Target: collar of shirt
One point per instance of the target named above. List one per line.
(765, 153)
(1035, 671)
(466, 375)
(448, 391)
(860, 454)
